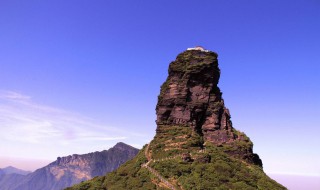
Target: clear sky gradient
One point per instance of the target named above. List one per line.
(78, 76)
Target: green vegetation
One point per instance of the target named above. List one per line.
(190, 61)
(223, 172)
(219, 172)
(94, 184)
(173, 140)
(129, 176)
(218, 105)
(164, 87)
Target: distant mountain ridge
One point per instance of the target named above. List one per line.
(69, 170)
(13, 170)
(10, 175)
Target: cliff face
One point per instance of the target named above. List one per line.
(66, 171)
(87, 166)
(195, 145)
(191, 98)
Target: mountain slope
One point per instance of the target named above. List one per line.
(70, 170)
(9, 180)
(195, 146)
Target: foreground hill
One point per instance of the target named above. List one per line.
(66, 171)
(195, 146)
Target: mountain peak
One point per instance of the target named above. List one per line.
(9, 168)
(75, 158)
(190, 100)
(195, 145)
(121, 145)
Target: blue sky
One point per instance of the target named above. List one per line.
(78, 76)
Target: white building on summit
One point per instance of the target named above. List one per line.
(200, 48)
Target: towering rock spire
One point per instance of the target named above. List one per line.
(190, 97)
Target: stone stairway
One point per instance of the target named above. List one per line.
(154, 172)
(167, 158)
(160, 177)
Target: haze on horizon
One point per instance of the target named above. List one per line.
(78, 76)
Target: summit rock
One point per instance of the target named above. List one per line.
(191, 98)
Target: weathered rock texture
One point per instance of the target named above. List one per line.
(190, 97)
(66, 171)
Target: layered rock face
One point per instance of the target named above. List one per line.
(190, 97)
(77, 168)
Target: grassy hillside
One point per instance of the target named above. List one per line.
(185, 166)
